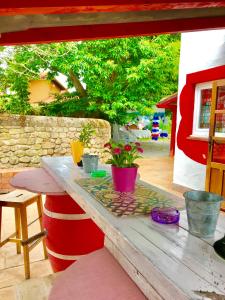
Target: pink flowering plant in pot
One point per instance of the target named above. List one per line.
(124, 168)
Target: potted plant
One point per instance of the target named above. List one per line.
(77, 147)
(124, 169)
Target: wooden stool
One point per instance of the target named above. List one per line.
(20, 199)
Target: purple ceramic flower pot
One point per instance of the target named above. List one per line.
(124, 178)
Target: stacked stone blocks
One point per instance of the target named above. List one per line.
(25, 139)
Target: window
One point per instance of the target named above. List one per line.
(202, 106)
(220, 118)
(203, 98)
(205, 105)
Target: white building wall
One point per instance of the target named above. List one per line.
(199, 51)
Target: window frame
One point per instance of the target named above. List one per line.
(196, 130)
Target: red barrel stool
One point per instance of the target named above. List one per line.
(71, 233)
(96, 276)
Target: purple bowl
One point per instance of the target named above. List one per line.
(165, 215)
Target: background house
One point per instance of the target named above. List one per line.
(45, 90)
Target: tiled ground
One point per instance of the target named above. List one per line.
(156, 170)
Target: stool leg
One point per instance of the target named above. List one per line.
(18, 229)
(40, 214)
(26, 257)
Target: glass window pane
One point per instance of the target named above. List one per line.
(205, 104)
(220, 123)
(219, 153)
(220, 97)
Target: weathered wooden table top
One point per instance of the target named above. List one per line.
(165, 261)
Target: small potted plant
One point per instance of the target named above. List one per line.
(77, 147)
(124, 169)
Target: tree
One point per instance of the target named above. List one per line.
(110, 76)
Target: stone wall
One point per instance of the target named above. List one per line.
(25, 139)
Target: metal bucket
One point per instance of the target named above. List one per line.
(202, 212)
(90, 163)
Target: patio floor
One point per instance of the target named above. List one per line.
(159, 172)
(155, 170)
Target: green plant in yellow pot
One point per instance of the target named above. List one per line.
(77, 146)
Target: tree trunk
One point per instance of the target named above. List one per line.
(79, 87)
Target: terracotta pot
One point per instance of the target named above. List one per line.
(77, 149)
(124, 178)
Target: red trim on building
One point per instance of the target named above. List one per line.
(195, 149)
(12, 7)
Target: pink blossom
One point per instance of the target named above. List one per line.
(117, 151)
(127, 147)
(140, 150)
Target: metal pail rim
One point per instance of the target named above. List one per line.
(202, 196)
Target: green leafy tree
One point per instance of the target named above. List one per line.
(111, 76)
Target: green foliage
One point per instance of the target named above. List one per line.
(111, 76)
(15, 105)
(68, 105)
(86, 134)
(166, 126)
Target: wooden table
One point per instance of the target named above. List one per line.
(165, 261)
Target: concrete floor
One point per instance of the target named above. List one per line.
(155, 169)
(159, 148)
(159, 172)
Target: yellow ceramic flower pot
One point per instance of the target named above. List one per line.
(77, 149)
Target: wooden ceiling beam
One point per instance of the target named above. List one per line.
(88, 32)
(27, 7)
(25, 22)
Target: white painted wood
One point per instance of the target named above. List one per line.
(167, 259)
(147, 290)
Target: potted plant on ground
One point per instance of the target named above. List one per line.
(124, 169)
(77, 147)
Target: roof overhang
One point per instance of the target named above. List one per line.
(169, 102)
(44, 21)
